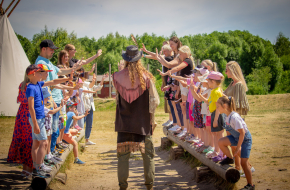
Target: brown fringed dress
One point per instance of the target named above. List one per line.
(133, 122)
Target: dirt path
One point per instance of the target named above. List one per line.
(100, 170)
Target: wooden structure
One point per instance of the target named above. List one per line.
(41, 183)
(227, 172)
(104, 93)
(2, 11)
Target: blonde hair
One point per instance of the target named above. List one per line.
(60, 56)
(230, 101)
(165, 43)
(237, 73)
(68, 47)
(211, 64)
(137, 68)
(167, 47)
(186, 49)
(24, 82)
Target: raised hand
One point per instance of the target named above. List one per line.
(94, 76)
(162, 74)
(99, 53)
(121, 65)
(144, 48)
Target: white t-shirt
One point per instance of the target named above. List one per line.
(204, 106)
(88, 97)
(236, 122)
(80, 106)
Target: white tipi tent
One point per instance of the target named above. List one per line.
(13, 63)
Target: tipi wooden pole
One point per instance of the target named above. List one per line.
(13, 8)
(9, 6)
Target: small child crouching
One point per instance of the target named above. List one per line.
(68, 136)
(240, 137)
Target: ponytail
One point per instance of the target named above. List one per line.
(193, 65)
(214, 67)
(25, 81)
(230, 101)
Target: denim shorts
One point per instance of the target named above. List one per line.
(246, 145)
(60, 124)
(42, 135)
(221, 121)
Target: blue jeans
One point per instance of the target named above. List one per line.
(179, 113)
(172, 111)
(55, 129)
(89, 123)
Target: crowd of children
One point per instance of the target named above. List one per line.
(202, 113)
(52, 111)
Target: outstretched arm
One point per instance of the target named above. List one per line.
(165, 63)
(84, 62)
(58, 81)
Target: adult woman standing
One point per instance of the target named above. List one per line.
(237, 89)
(20, 148)
(63, 59)
(136, 102)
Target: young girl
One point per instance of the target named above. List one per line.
(240, 137)
(68, 136)
(237, 89)
(211, 66)
(217, 121)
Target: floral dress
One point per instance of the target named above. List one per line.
(198, 119)
(20, 148)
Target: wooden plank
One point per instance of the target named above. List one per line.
(227, 172)
(41, 183)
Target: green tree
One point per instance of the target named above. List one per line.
(259, 81)
(282, 45)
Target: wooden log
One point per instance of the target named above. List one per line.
(227, 172)
(176, 152)
(165, 142)
(41, 183)
(201, 173)
(62, 177)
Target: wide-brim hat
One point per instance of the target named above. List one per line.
(132, 54)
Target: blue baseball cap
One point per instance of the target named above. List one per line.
(45, 93)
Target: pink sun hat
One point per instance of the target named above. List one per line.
(215, 75)
(80, 81)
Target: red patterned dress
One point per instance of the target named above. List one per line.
(20, 148)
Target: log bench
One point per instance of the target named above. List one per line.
(41, 183)
(227, 172)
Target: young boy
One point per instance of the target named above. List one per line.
(37, 118)
(49, 158)
(68, 134)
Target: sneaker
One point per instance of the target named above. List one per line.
(252, 170)
(59, 146)
(209, 149)
(64, 145)
(58, 159)
(175, 128)
(166, 123)
(90, 143)
(182, 133)
(249, 187)
(41, 173)
(78, 161)
(170, 126)
(46, 168)
(217, 158)
(227, 160)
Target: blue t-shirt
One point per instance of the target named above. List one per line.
(34, 90)
(55, 93)
(69, 121)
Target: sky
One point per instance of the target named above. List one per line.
(97, 18)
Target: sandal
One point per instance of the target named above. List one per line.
(200, 149)
(208, 149)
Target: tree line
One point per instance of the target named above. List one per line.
(266, 66)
